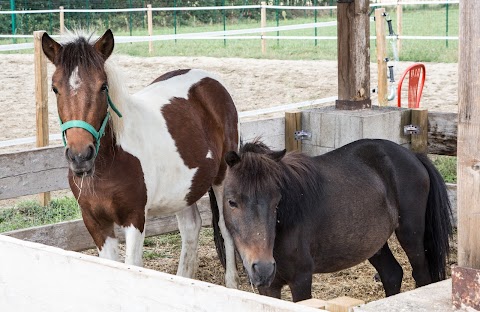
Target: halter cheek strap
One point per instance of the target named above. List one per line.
(97, 135)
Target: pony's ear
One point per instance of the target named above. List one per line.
(105, 44)
(277, 155)
(232, 158)
(50, 47)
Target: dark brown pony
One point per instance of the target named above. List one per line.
(155, 152)
(293, 215)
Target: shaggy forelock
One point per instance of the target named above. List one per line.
(79, 52)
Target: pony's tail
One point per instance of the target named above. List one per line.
(217, 235)
(438, 222)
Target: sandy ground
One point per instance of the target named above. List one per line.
(253, 84)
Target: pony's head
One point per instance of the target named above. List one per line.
(81, 88)
(251, 197)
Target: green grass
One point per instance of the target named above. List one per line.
(31, 213)
(447, 165)
(421, 21)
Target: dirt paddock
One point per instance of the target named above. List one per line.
(253, 84)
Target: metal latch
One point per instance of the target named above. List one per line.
(302, 135)
(411, 129)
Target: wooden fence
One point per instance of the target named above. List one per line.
(45, 169)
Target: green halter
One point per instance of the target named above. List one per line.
(97, 135)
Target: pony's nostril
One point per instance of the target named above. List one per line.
(68, 154)
(90, 153)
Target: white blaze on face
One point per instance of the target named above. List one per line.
(209, 154)
(74, 81)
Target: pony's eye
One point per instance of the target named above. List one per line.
(104, 87)
(232, 204)
(55, 90)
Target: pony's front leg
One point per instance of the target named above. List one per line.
(231, 274)
(134, 245)
(189, 224)
(102, 234)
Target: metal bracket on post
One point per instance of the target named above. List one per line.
(302, 135)
(411, 129)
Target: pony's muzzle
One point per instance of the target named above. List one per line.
(81, 162)
(262, 273)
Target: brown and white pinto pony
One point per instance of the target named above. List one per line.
(160, 158)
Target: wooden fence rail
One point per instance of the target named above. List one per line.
(45, 169)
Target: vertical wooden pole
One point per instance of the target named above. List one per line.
(465, 281)
(468, 147)
(293, 122)
(62, 21)
(399, 26)
(353, 30)
(150, 27)
(263, 24)
(419, 142)
(41, 99)
(381, 55)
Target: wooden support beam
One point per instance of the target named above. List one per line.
(41, 99)
(62, 20)
(419, 142)
(399, 26)
(469, 135)
(314, 303)
(468, 168)
(293, 123)
(263, 24)
(342, 304)
(353, 30)
(150, 28)
(381, 56)
(442, 133)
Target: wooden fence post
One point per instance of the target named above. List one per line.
(353, 29)
(419, 142)
(465, 281)
(293, 122)
(150, 27)
(62, 21)
(263, 24)
(399, 25)
(41, 99)
(381, 55)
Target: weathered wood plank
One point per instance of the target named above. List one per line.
(43, 278)
(381, 55)
(442, 133)
(41, 99)
(353, 55)
(33, 183)
(469, 136)
(32, 172)
(293, 123)
(72, 235)
(419, 142)
(35, 160)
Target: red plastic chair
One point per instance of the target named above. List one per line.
(416, 79)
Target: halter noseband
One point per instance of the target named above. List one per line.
(97, 135)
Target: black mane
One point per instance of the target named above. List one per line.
(297, 175)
